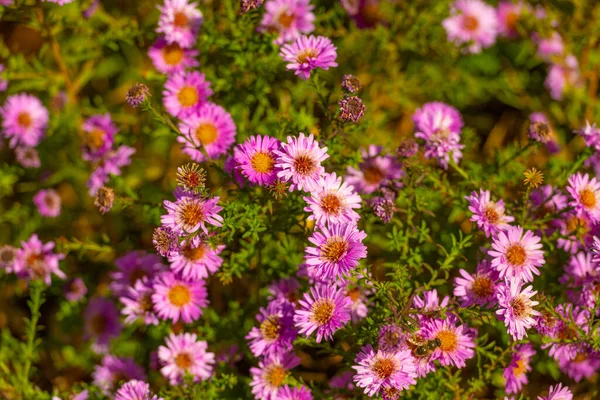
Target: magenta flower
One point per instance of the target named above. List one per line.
(548, 200)
(590, 135)
(98, 137)
(430, 301)
(297, 393)
(561, 76)
(378, 372)
(584, 365)
(515, 374)
(324, 310)
(137, 303)
(136, 390)
(111, 164)
(308, 53)
(256, 159)
(580, 268)
(35, 260)
(132, 267)
(184, 353)
(359, 308)
(337, 250)
(24, 120)
(101, 323)
(114, 370)
(165, 241)
(550, 46)
(191, 212)
(472, 22)
(508, 15)
(74, 289)
(457, 342)
(573, 319)
(47, 202)
(374, 172)
(489, 216)
(28, 157)
(479, 288)
(516, 307)
(195, 260)
(333, 202)
(585, 195)
(391, 338)
(558, 392)
(180, 22)
(276, 331)
(286, 289)
(176, 299)
(270, 376)
(299, 161)
(185, 92)
(516, 254)
(210, 127)
(288, 18)
(171, 58)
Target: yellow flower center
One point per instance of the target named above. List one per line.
(183, 360)
(516, 255)
(95, 139)
(520, 368)
(354, 294)
(192, 214)
(587, 198)
(490, 214)
(188, 96)
(179, 295)
(24, 120)
(448, 339)
(285, 19)
(304, 55)
(276, 375)
(384, 367)
(331, 204)
(172, 54)
(322, 311)
(483, 287)
(304, 165)
(269, 328)
(180, 20)
(262, 163)
(206, 133)
(334, 249)
(194, 254)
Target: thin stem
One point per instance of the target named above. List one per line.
(37, 299)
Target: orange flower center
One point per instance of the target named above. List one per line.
(286, 19)
(384, 367)
(179, 295)
(269, 328)
(304, 55)
(334, 249)
(194, 254)
(490, 214)
(276, 375)
(354, 294)
(519, 307)
(95, 139)
(136, 275)
(516, 255)
(24, 120)
(331, 204)
(192, 214)
(470, 23)
(146, 302)
(206, 133)
(322, 311)
(511, 20)
(483, 287)
(372, 174)
(183, 360)
(448, 339)
(98, 324)
(180, 20)
(587, 198)
(172, 54)
(50, 201)
(262, 163)
(304, 165)
(520, 368)
(188, 96)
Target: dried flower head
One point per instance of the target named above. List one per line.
(539, 131)
(104, 199)
(352, 108)
(408, 148)
(165, 241)
(191, 177)
(247, 5)
(137, 94)
(351, 83)
(279, 189)
(533, 178)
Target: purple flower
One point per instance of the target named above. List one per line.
(185, 92)
(561, 76)
(457, 344)
(324, 310)
(479, 288)
(177, 299)
(180, 22)
(285, 289)
(516, 307)
(572, 320)
(379, 371)
(47, 202)
(114, 370)
(137, 303)
(101, 323)
(549, 46)
(35, 260)
(136, 390)
(74, 289)
(288, 18)
(584, 365)
(308, 53)
(276, 331)
(27, 156)
(195, 260)
(352, 108)
(297, 393)
(558, 392)
(24, 120)
(590, 135)
(508, 14)
(337, 250)
(256, 158)
(391, 338)
(299, 161)
(98, 137)
(516, 254)
(190, 213)
(184, 353)
(472, 22)
(171, 58)
(489, 216)
(132, 267)
(515, 374)
(271, 374)
(359, 308)
(111, 164)
(585, 196)
(333, 202)
(375, 171)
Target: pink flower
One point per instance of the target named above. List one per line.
(276, 331)
(185, 92)
(308, 53)
(515, 374)
(516, 254)
(456, 341)
(101, 323)
(98, 137)
(256, 158)
(114, 369)
(563, 75)
(24, 120)
(288, 18)
(190, 213)
(489, 215)
(585, 195)
(184, 353)
(333, 202)
(171, 58)
(508, 14)
(137, 303)
(195, 260)
(176, 299)
(272, 372)
(299, 161)
(479, 288)
(374, 172)
(558, 392)
(472, 22)
(180, 22)
(516, 307)
(35, 260)
(135, 390)
(47, 202)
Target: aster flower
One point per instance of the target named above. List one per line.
(430, 301)
(137, 303)
(35, 260)
(489, 215)
(285, 289)
(376, 171)
(508, 15)
(132, 267)
(184, 353)
(359, 308)
(179, 22)
(98, 137)
(24, 120)
(28, 157)
(271, 374)
(539, 128)
(276, 332)
(194, 260)
(256, 157)
(137, 94)
(548, 200)
(101, 323)
(457, 343)
(351, 84)
(115, 370)
(581, 267)
(104, 199)
(111, 164)
(584, 365)
(563, 75)
(515, 374)
(288, 18)
(337, 250)
(47, 202)
(176, 299)
(479, 288)
(550, 46)
(577, 231)
(384, 208)
(324, 310)
(136, 390)
(342, 381)
(517, 254)
(171, 58)
(191, 212)
(297, 393)
(572, 320)
(558, 392)
(391, 338)
(185, 92)
(333, 202)
(8, 256)
(299, 161)
(352, 108)
(591, 135)
(408, 148)
(472, 22)
(74, 289)
(378, 371)
(585, 195)
(308, 53)
(516, 307)
(247, 5)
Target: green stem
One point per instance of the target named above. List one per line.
(37, 299)
(519, 153)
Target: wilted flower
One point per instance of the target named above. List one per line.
(247, 5)
(191, 177)
(104, 199)
(351, 83)
(533, 178)
(137, 94)
(352, 108)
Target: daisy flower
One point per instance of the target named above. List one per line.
(47, 202)
(583, 366)
(171, 58)
(508, 15)
(285, 289)
(337, 250)
(276, 331)
(35, 260)
(297, 393)
(515, 374)
(176, 299)
(585, 195)
(24, 120)
(98, 137)
(308, 53)
(195, 260)
(111, 164)
(479, 288)
(472, 22)
(256, 159)
(333, 202)
(271, 374)
(28, 157)
(210, 127)
(184, 353)
(288, 19)
(572, 320)
(101, 323)
(516, 307)
(136, 390)
(191, 212)
(376, 171)
(114, 370)
(558, 392)
(137, 303)
(457, 344)
(299, 161)
(179, 22)
(324, 310)
(516, 254)
(132, 267)
(378, 371)
(359, 308)
(489, 215)
(185, 92)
